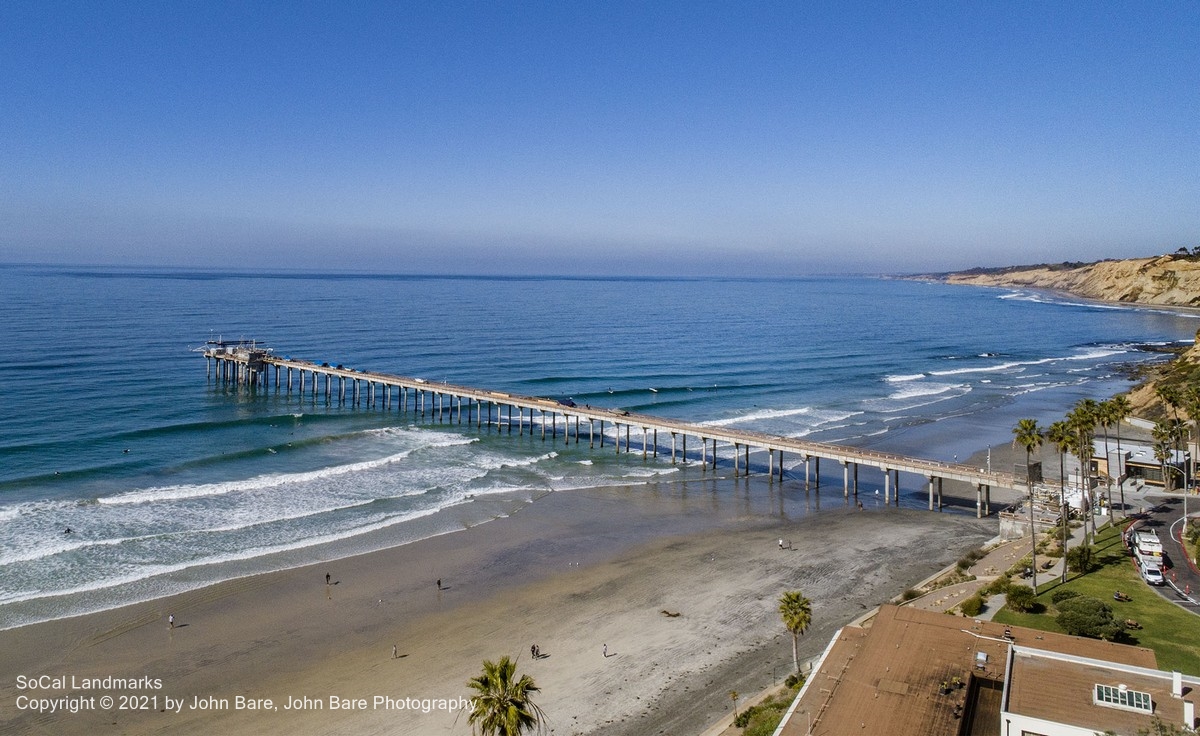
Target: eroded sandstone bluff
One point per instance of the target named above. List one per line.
(1170, 280)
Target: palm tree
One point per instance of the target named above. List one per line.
(501, 705)
(1191, 405)
(796, 611)
(1169, 395)
(1027, 434)
(1166, 440)
(1119, 410)
(1104, 418)
(1082, 419)
(1060, 435)
(1162, 452)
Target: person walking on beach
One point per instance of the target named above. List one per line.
(327, 578)
(533, 651)
(394, 651)
(780, 544)
(605, 650)
(439, 582)
(171, 620)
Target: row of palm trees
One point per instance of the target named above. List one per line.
(1170, 433)
(1075, 434)
(502, 703)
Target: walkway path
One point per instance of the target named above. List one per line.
(995, 563)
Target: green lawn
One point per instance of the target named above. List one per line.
(1167, 629)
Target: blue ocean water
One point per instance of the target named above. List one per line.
(170, 480)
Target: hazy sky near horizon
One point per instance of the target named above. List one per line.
(647, 138)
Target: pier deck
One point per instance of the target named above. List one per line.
(247, 363)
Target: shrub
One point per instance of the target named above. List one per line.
(1021, 598)
(970, 558)
(1022, 564)
(997, 586)
(1086, 616)
(764, 724)
(909, 594)
(763, 718)
(1061, 595)
(972, 606)
(1081, 559)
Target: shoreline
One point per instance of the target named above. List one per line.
(573, 567)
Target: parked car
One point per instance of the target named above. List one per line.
(1152, 574)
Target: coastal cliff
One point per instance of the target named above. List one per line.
(1170, 280)
(1179, 377)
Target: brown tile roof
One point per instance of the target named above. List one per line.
(888, 678)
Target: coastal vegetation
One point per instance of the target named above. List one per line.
(502, 703)
(763, 718)
(1165, 627)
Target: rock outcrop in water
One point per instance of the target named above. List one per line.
(1170, 280)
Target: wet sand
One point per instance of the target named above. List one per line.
(573, 572)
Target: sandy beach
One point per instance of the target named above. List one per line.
(573, 573)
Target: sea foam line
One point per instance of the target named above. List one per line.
(177, 493)
(147, 573)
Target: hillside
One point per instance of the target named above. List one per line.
(1180, 375)
(1170, 280)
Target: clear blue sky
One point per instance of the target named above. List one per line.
(750, 138)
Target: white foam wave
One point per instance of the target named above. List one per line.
(1050, 299)
(757, 416)
(1029, 389)
(526, 462)
(272, 480)
(903, 377)
(927, 389)
(153, 571)
(988, 368)
(649, 472)
(50, 550)
(1095, 353)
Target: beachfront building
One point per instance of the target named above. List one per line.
(924, 673)
(1136, 463)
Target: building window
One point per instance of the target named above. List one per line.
(1123, 698)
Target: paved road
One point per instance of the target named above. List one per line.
(1165, 515)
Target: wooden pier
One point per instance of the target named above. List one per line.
(248, 363)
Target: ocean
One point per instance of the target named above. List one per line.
(170, 480)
